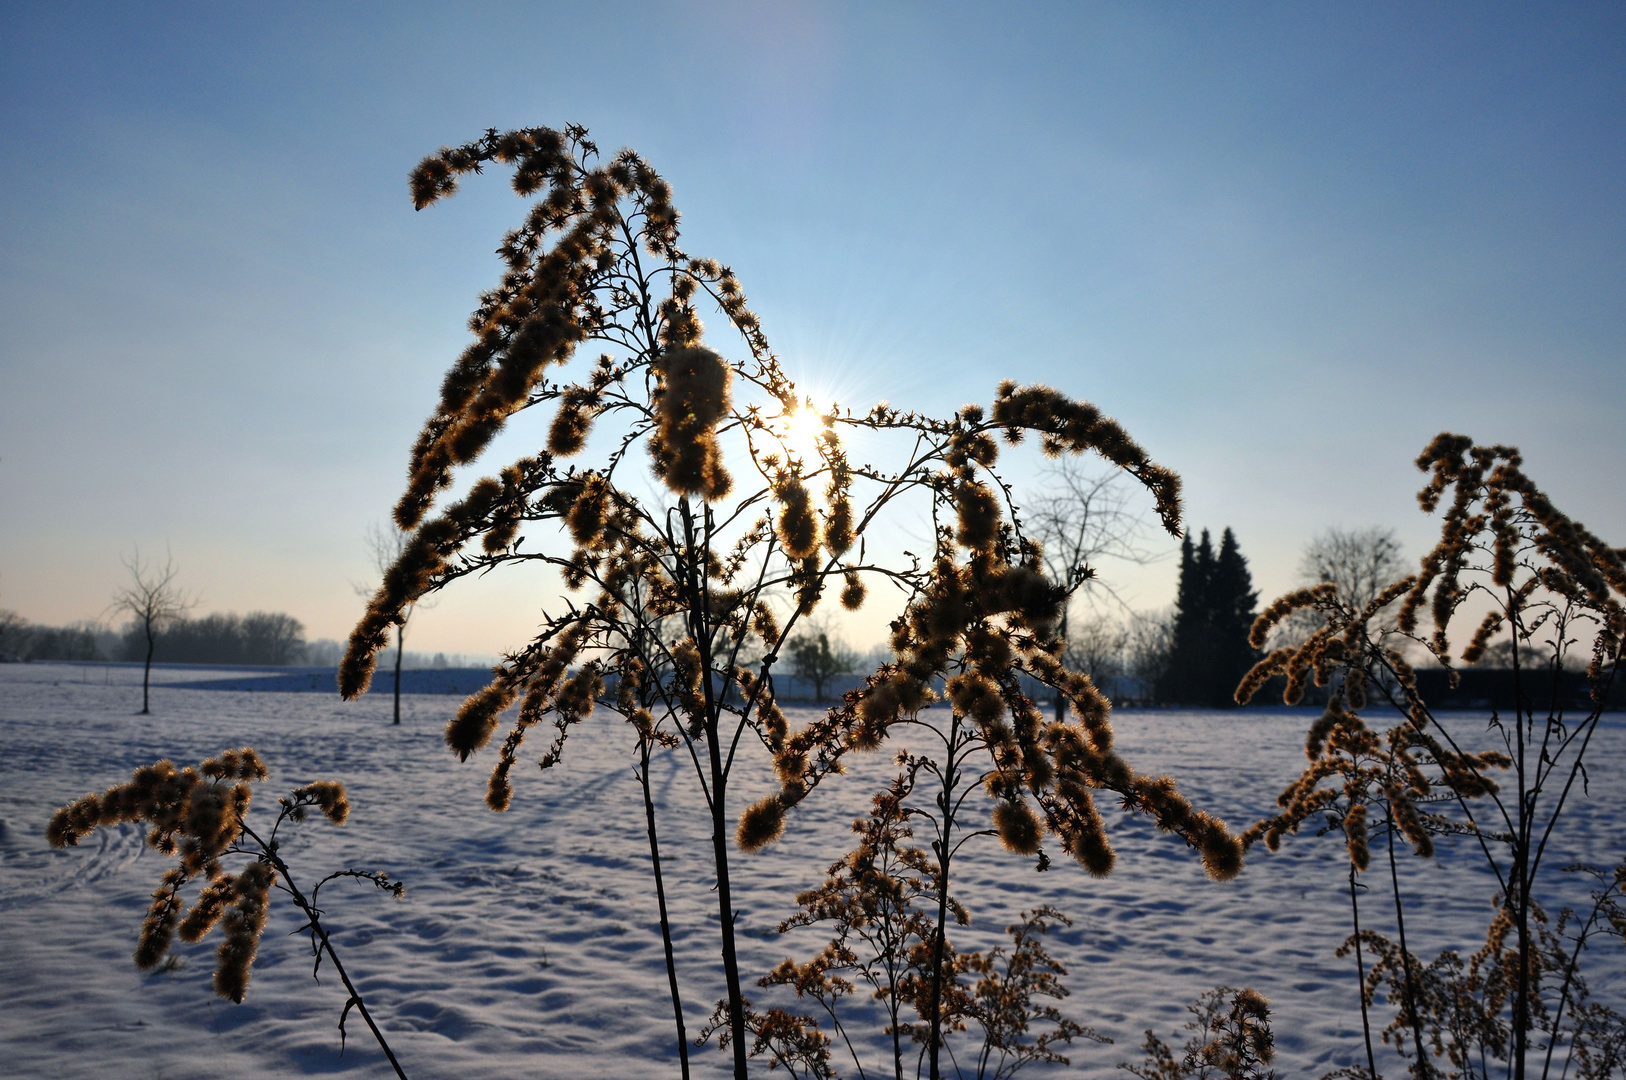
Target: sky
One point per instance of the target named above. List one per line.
(1284, 244)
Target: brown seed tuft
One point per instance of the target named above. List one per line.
(1018, 827)
(761, 824)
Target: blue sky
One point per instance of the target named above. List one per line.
(1285, 244)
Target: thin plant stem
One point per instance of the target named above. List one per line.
(400, 646)
(315, 918)
(660, 900)
(1424, 1069)
(1570, 971)
(146, 671)
(1360, 974)
(945, 852)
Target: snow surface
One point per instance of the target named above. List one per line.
(528, 944)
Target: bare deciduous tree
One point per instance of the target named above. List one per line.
(154, 600)
(14, 631)
(1095, 645)
(1359, 561)
(1150, 640)
(819, 656)
(384, 546)
(1087, 517)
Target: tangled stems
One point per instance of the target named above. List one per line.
(320, 941)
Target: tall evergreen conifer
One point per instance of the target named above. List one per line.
(1213, 612)
(1232, 602)
(1188, 658)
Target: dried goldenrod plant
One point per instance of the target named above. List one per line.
(199, 816)
(1544, 585)
(1229, 1038)
(882, 902)
(683, 594)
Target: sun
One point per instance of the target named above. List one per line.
(802, 428)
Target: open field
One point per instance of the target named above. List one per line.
(527, 943)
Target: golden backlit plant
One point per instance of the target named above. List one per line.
(199, 816)
(682, 593)
(1524, 572)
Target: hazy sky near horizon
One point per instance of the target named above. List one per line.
(1284, 244)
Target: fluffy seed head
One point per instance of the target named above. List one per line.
(761, 824)
(853, 592)
(1018, 827)
(798, 527)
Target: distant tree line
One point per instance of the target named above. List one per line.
(22, 640)
(258, 638)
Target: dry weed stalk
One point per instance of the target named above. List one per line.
(886, 902)
(199, 816)
(1228, 1039)
(1527, 571)
(685, 598)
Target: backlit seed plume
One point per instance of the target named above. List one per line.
(242, 924)
(328, 796)
(1017, 826)
(1284, 606)
(694, 397)
(762, 824)
(1078, 426)
(1355, 836)
(798, 527)
(852, 592)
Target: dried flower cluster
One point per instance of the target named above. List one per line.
(197, 814)
(1523, 572)
(682, 605)
(1230, 1039)
(879, 900)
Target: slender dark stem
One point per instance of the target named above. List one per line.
(315, 918)
(945, 853)
(694, 577)
(725, 905)
(1360, 974)
(1521, 873)
(660, 900)
(1423, 1066)
(146, 671)
(400, 645)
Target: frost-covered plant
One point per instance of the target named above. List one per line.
(199, 816)
(685, 591)
(1230, 1039)
(1525, 570)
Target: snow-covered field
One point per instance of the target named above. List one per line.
(527, 943)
